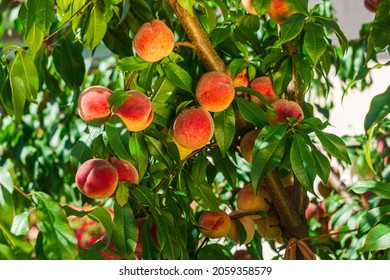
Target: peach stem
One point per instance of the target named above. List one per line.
(186, 44)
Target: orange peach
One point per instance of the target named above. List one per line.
(248, 6)
(247, 144)
(286, 109)
(268, 227)
(242, 255)
(249, 227)
(247, 201)
(154, 41)
(193, 128)
(214, 224)
(263, 85)
(97, 178)
(215, 91)
(136, 112)
(93, 104)
(126, 170)
(279, 11)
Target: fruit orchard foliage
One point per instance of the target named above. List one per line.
(60, 48)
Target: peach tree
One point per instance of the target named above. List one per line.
(183, 129)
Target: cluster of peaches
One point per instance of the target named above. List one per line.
(253, 212)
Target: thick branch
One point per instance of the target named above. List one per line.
(195, 32)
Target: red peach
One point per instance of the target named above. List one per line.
(93, 103)
(372, 5)
(193, 128)
(154, 41)
(286, 109)
(279, 11)
(136, 112)
(263, 85)
(214, 224)
(97, 178)
(247, 144)
(126, 170)
(215, 91)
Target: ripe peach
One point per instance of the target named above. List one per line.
(214, 224)
(193, 128)
(241, 79)
(315, 211)
(215, 91)
(136, 112)
(248, 224)
(279, 11)
(286, 109)
(268, 227)
(247, 144)
(247, 201)
(248, 6)
(154, 41)
(97, 178)
(93, 103)
(263, 85)
(372, 5)
(126, 170)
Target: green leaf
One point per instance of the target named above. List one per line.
(162, 113)
(283, 76)
(379, 109)
(178, 76)
(80, 153)
(378, 238)
(268, 151)
(215, 252)
(372, 217)
(314, 41)
(224, 130)
(304, 71)
(334, 145)
(158, 151)
(237, 66)
(163, 89)
(125, 229)
(331, 24)
(69, 62)
(225, 166)
(187, 5)
(59, 240)
(96, 25)
(139, 151)
(322, 164)
(299, 6)
(251, 112)
(24, 82)
(7, 253)
(302, 163)
(20, 224)
(102, 216)
(131, 64)
(204, 195)
(220, 34)
(291, 28)
(45, 15)
(114, 135)
(379, 188)
(122, 194)
(261, 6)
(379, 36)
(199, 169)
(6, 200)
(64, 9)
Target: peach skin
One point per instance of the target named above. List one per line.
(93, 103)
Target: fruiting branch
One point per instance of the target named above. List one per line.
(291, 222)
